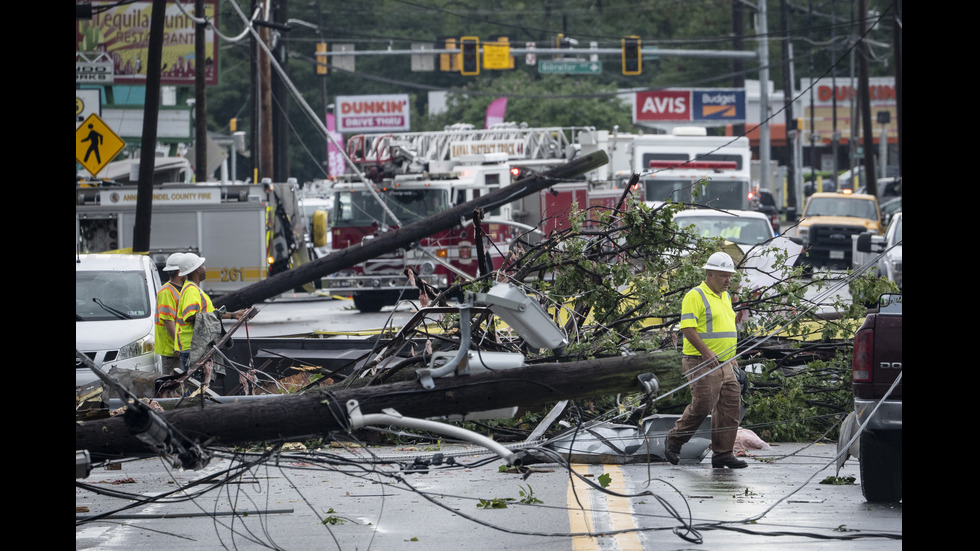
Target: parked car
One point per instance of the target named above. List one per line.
(848, 177)
(745, 228)
(766, 204)
(115, 306)
(889, 208)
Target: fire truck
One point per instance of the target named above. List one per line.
(685, 166)
(246, 232)
(413, 176)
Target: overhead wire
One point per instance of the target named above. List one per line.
(409, 485)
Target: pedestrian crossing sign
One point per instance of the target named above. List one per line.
(96, 144)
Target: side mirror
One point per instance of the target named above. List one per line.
(869, 242)
(864, 242)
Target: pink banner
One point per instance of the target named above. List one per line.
(495, 112)
(335, 161)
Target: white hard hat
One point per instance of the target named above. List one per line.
(719, 262)
(189, 263)
(173, 262)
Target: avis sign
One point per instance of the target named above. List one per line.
(690, 105)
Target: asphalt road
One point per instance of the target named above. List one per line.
(301, 314)
(365, 499)
(334, 499)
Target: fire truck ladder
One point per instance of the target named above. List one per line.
(422, 147)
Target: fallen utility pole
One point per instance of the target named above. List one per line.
(405, 236)
(293, 417)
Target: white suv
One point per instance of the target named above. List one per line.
(115, 304)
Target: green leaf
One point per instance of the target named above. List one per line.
(604, 480)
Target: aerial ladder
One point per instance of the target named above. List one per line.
(410, 152)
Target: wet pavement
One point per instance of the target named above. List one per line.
(455, 496)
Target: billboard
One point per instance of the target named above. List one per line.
(710, 105)
(375, 113)
(827, 107)
(121, 31)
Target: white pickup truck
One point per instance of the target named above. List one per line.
(115, 305)
(884, 253)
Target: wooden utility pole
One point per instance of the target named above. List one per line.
(148, 144)
(871, 182)
(265, 134)
(405, 235)
(300, 416)
(792, 133)
(897, 30)
(278, 89)
(738, 65)
(200, 100)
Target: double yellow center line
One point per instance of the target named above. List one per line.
(588, 507)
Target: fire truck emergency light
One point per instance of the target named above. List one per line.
(695, 165)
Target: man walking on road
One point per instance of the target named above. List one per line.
(710, 338)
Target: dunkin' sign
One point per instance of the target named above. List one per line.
(366, 114)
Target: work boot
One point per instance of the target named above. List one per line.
(672, 451)
(729, 461)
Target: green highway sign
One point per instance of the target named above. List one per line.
(569, 67)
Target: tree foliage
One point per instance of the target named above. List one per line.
(578, 101)
(822, 40)
(614, 281)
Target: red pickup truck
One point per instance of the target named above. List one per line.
(877, 382)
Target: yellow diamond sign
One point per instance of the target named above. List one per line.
(96, 144)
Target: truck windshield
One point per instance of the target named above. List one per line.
(726, 194)
(841, 206)
(668, 190)
(360, 208)
(741, 230)
(731, 194)
(101, 296)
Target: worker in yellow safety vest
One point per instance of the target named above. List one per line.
(193, 301)
(165, 330)
(710, 339)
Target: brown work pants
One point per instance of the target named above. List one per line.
(717, 393)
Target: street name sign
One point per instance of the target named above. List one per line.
(569, 67)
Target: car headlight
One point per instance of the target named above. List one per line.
(136, 348)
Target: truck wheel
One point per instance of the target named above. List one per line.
(374, 301)
(881, 465)
(367, 302)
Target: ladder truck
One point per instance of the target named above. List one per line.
(416, 175)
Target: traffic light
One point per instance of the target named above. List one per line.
(560, 43)
(632, 56)
(321, 58)
(448, 62)
(470, 47)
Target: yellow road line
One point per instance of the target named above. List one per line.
(579, 502)
(620, 511)
(617, 509)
